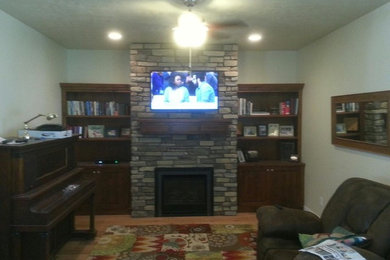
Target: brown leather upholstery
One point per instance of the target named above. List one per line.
(358, 205)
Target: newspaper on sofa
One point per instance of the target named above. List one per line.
(333, 250)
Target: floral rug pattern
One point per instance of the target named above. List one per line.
(176, 242)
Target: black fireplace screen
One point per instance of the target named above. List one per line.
(184, 191)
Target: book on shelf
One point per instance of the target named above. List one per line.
(260, 113)
(96, 108)
(289, 107)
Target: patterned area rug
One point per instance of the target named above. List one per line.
(177, 242)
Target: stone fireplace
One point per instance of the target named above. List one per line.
(207, 149)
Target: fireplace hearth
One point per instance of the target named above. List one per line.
(184, 191)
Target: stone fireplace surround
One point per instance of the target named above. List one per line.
(207, 149)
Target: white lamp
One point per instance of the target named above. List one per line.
(191, 31)
(49, 116)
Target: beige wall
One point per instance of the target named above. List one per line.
(267, 67)
(355, 58)
(31, 66)
(97, 66)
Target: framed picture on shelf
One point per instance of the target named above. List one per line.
(95, 131)
(351, 124)
(125, 132)
(340, 128)
(240, 156)
(111, 132)
(250, 131)
(262, 130)
(273, 129)
(286, 130)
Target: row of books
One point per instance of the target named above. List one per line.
(287, 107)
(347, 107)
(99, 131)
(96, 108)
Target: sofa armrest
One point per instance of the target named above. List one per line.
(276, 221)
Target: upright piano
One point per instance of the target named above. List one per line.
(40, 190)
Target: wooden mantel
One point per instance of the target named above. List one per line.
(184, 126)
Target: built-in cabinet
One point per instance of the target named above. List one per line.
(100, 114)
(269, 132)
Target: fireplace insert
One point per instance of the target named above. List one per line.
(184, 191)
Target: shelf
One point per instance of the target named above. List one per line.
(184, 126)
(99, 117)
(347, 134)
(271, 162)
(113, 139)
(267, 116)
(267, 138)
(93, 164)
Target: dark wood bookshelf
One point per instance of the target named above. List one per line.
(113, 180)
(261, 180)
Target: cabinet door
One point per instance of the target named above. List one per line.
(254, 185)
(112, 189)
(287, 186)
(269, 185)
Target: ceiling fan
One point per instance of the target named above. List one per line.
(219, 30)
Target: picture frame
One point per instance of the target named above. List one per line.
(351, 124)
(250, 131)
(286, 130)
(111, 132)
(240, 156)
(341, 128)
(263, 130)
(95, 131)
(125, 132)
(273, 129)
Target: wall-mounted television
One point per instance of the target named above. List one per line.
(184, 90)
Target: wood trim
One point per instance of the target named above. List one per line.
(184, 126)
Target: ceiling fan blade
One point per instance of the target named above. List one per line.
(228, 24)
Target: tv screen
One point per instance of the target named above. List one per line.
(184, 90)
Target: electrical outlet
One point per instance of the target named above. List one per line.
(321, 201)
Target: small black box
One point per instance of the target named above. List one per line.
(286, 150)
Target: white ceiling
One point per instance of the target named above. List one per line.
(284, 24)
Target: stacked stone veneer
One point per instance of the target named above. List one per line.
(375, 117)
(181, 150)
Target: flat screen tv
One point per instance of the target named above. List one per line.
(184, 90)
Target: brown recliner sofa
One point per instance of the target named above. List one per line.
(358, 205)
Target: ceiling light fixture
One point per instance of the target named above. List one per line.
(191, 31)
(255, 37)
(115, 36)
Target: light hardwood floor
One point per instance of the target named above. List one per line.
(79, 249)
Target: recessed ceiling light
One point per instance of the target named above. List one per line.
(115, 36)
(255, 37)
